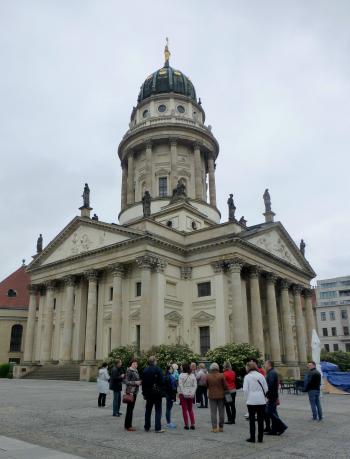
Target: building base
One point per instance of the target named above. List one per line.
(20, 371)
(288, 371)
(88, 371)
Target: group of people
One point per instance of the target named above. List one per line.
(211, 389)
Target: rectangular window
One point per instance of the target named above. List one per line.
(328, 285)
(325, 331)
(54, 303)
(326, 346)
(138, 289)
(110, 293)
(347, 347)
(328, 295)
(344, 314)
(204, 289)
(344, 292)
(332, 315)
(163, 186)
(346, 331)
(334, 331)
(138, 337)
(347, 282)
(204, 339)
(335, 347)
(323, 316)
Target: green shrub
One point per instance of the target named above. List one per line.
(237, 354)
(340, 358)
(5, 370)
(176, 353)
(123, 353)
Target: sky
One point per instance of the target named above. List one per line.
(273, 77)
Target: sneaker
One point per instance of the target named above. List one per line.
(250, 440)
(131, 429)
(214, 430)
(221, 429)
(171, 425)
(186, 428)
(192, 428)
(159, 431)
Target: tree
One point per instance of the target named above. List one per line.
(237, 354)
(340, 358)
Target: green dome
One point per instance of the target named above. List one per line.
(167, 80)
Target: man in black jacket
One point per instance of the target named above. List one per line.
(274, 424)
(153, 391)
(312, 384)
(115, 384)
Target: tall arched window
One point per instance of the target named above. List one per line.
(16, 338)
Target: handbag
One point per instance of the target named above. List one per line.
(228, 397)
(128, 398)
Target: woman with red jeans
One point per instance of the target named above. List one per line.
(187, 392)
(230, 394)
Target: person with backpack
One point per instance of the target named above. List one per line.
(153, 391)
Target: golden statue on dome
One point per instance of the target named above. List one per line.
(167, 53)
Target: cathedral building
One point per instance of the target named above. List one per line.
(170, 271)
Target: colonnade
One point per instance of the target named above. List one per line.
(128, 172)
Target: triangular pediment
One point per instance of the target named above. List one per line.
(81, 236)
(275, 240)
(203, 316)
(173, 316)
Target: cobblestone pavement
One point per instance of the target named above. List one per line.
(63, 416)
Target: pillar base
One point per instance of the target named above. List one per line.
(288, 370)
(19, 371)
(269, 216)
(85, 211)
(88, 371)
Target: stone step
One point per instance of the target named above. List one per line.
(70, 372)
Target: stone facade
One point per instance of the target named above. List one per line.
(178, 276)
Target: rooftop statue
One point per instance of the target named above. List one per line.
(39, 244)
(86, 196)
(231, 209)
(267, 200)
(146, 204)
(302, 247)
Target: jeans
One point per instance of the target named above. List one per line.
(215, 406)
(101, 400)
(116, 402)
(157, 403)
(129, 412)
(169, 405)
(202, 396)
(187, 409)
(314, 397)
(259, 410)
(231, 408)
(273, 422)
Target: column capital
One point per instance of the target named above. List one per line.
(145, 262)
(173, 141)
(285, 284)
(218, 266)
(297, 289)
(50, 285)
(186, 272)
(254, 271)
(117, 269)
(197, 145)
(149, 144)
(91, 275)
(308, 292)
(33, 289)
(160, 265)
(235, 265)
(130, 154)
(69, 281)
(271, 277)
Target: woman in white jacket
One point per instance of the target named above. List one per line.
(187, 391)
(255, 390)
(102, 384)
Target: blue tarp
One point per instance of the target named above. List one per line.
(340, 380)
(326, 367)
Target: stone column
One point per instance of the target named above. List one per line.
(39, 329)
(289, 349)
(256, 314)
(245, 305)
(212, 189)
(90, 333)
(173, 162)
(66, 348)
(220, 310)
(149, 175)
(145, 264)
(198, 171)
(124, 191)
(310, 318)
(158, 324)
(48, 327)
(131, 193)
(117, 305)
(275, 345)
(29, 341)
(186, 276)
(239, 324)
(299, 324)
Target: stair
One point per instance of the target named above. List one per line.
(66, 372)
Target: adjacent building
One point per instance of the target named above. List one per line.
(333, 313)
(170, 271)
(14, 301)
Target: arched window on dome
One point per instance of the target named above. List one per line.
(16, 338)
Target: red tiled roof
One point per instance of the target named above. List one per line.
(18, 282)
